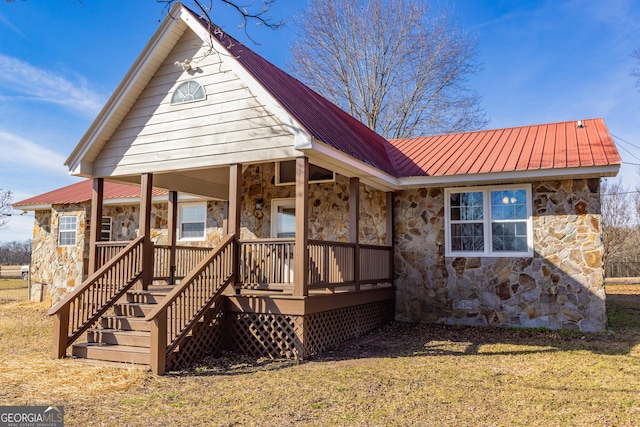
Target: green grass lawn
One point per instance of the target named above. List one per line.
(402, 375)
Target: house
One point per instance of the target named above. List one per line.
(233, 207)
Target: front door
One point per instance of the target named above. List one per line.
(283, 226)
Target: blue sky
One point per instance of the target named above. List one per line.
(543, 61)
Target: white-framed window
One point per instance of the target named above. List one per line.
(192, 221)
(67, 230)
(188, 91)
(489, 221)
(286, 173)
(283, 218)
(105, 229)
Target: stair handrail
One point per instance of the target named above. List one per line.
(201, 287)
(95, 293)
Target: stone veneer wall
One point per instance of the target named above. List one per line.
(561, 287)
(61, 268)
(328, 207)
(125, 223)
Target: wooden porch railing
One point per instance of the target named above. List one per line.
(82, 308)
(187, 258)
(173, 319)
(331, 264)
(376, 264)
(105, 251)
(266, 262)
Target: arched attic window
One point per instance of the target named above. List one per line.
(188, 92)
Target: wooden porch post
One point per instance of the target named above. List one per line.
(390, 226)
(172, 235)
(235, 200)
(159, 343)
(389, 217)
(95, 232)
(146, 188)
(301, 251)
(354, 226)
(60, 332)
(234, 209)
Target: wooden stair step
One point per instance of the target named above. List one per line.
(119, 337)
(133, 309)
(125, 323)
(145, 297)
(112, 353)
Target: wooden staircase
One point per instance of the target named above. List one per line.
(161, 329)
(123, 335)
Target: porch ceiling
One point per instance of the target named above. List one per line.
(209, 183)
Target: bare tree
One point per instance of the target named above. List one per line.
(5, 207)
(635, 72)
(256, 12)
(393, 64)
(617, 218)
(15, 252)
(251, 11)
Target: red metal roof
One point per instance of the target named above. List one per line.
(547, 146)
(81, 192)
(322, 119)
(526, 148)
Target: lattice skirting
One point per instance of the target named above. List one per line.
(206, 339)
(266, 335)
(300, 337)
(279, 335)
(330, 328)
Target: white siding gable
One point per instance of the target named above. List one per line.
(230, 125)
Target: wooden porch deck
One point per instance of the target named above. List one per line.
(238, 296)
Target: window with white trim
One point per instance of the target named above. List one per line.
(489, 221)
(67, 230)
(105, 229)
(188, 92)
(192, 221)
(286, 173)
(283, 218)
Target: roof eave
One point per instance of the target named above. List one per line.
(511, 176)
(326, 156)
(36, 207)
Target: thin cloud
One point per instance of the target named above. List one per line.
(525, 13)
(26, 81)
(9, 24)
(26, 152)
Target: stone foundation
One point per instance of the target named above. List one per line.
(560, 287)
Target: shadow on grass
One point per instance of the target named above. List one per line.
(410, 339)
(426, 339)
(229, 364)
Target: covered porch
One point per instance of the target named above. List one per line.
(278, 297)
